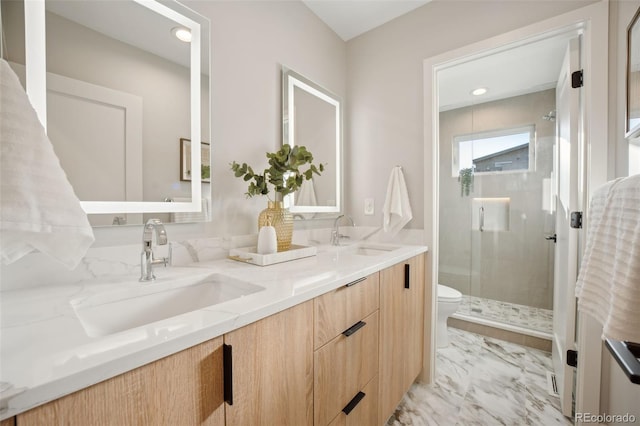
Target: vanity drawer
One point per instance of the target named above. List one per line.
(338, 310)
(343, 367)
(366, 410)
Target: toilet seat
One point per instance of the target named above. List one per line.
(448, 294)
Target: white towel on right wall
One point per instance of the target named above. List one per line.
(608, 286)
(397, 209)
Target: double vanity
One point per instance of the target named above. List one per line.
(336, 338)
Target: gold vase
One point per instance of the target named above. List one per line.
(281, 219)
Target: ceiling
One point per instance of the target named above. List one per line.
(350, 18)
(528, 68)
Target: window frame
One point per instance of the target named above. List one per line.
(487, 134)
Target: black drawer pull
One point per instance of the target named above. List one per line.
(407, 275)
(356, 282)
(355, 327)
(227, 372)
(352, 404)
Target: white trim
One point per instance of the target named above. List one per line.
(593, 19)
(36, 57)
(132, 107)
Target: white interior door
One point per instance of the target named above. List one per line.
(567, 200)
(96, 133)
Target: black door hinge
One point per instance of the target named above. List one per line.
(576, 220)
(577, 79)
(572, 358)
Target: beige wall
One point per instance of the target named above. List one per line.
(250, 41)
(511, 266)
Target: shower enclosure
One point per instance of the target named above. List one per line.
(493, 245)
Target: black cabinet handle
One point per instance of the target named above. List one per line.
(357, 326)
(227, 371)
(352, 404)
(407, 275)
(356, 282)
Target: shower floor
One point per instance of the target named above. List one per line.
(509, 313)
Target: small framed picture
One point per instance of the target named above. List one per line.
(632, 121)
(185, 160)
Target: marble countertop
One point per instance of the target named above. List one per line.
(46, 353)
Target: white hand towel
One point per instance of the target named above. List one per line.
(396, 210)
(307, 194)
(307, 197)
(203, 215)
(608, 286)
(38, 208)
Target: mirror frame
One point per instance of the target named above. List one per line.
(291, 80)
(36, 77)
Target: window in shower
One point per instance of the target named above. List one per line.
(494, 151)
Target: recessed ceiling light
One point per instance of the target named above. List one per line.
(182, 34)
(479, 91)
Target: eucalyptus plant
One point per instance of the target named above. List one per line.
(285, 172)
(465, 177)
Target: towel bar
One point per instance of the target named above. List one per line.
(627, 355)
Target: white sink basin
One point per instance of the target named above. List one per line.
(142, 304)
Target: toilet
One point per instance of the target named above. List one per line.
(448, 302)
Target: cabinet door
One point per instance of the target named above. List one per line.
(414, 319)
(182, 389)
(11, 421)
(272, 370)
(401, 331)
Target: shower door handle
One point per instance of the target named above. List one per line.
(481, 219)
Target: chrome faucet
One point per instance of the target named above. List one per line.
(336, 236)
(146, 258)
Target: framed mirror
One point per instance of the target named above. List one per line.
(121, 92)
(312, 117)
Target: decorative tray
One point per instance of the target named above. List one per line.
(250, 255)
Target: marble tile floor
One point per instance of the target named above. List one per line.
(483, 381)
(510, 313)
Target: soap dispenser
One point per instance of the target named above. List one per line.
(267, 239)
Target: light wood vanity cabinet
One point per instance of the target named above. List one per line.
(402, 289)
(272, 370)
(11, 421)
(346, 356)
(185, 388)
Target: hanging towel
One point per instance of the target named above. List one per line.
(608, 286)
(38, 208)
(203, 215)
(307, 197)
(396, 210)
(307, 194)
